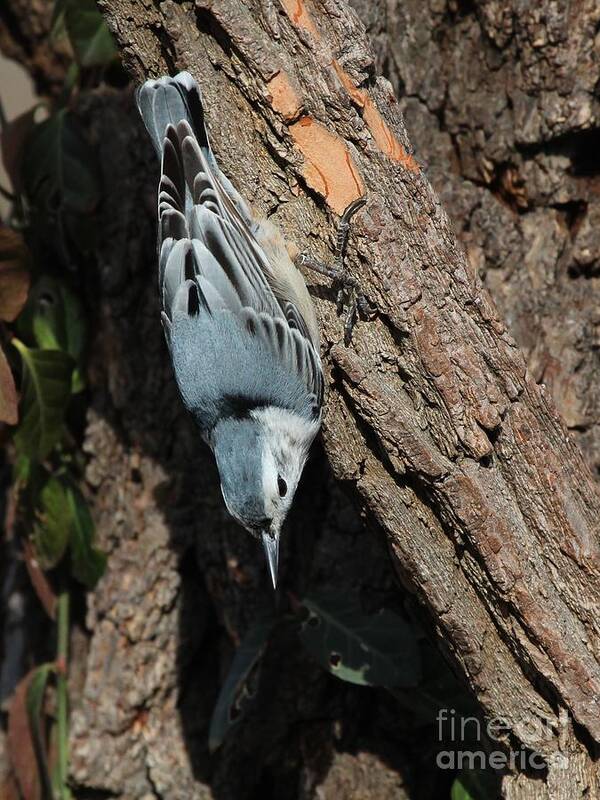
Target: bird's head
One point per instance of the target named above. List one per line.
(260, 459)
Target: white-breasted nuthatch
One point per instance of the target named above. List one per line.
(238, 319)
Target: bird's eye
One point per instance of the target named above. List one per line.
(282, 486)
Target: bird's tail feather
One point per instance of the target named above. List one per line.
(165, 104)
(198, 208)
(168, 101)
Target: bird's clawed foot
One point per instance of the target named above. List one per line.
(350, 300)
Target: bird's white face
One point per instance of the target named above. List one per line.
(286, 442)
(283, 457)
(281, 469)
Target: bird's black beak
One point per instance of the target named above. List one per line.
(271, 545)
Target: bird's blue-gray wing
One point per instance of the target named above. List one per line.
(229, 364)
(234, 343)
(167, 101)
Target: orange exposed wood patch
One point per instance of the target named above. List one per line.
(298, 14)
(386, 141)
(380, 131)
(283, 97)
(329, 168)
(357, 95)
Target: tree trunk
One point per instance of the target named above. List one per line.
(436, 423)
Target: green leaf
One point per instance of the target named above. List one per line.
(60, 773)
(240, 682)
(90, 37)
(476, 784)
(58, 30)
(59, 172)
(22, 469)
(52, 529)
(63, 519)
(45, 392)
(87, 561)
(59, 322)
(377, 650)
(34, 701)
(459, 791)
(54, 320)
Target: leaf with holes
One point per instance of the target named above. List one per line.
(241, 681)
(45, 392)
(436, 684)
(376, 650)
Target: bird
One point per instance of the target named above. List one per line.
(239, 321)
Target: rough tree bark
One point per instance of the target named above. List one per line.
(434, 423)
(501, 101)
